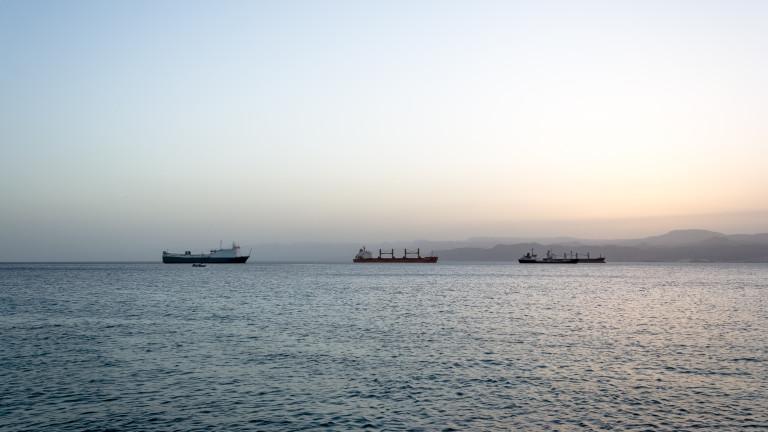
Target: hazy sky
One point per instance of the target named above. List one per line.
(138, 124)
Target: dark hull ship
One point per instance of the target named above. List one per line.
(365, 256)
(216, 256)
(550, 258)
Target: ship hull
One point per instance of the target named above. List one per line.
(170, 259)
(422, 260)
(549, 261)
(591, 260)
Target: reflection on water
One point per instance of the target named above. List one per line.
(282, 347)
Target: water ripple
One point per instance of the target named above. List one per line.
(344, 347)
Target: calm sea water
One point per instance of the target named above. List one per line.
(412, 347)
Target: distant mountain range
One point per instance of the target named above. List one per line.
(679, 245)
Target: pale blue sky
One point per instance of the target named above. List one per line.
(142, 124)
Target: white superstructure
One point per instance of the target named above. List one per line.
(363, 254)
(226, 253)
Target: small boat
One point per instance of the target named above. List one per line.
(198, 265)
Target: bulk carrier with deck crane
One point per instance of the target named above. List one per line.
(365, 256)
(550, 258)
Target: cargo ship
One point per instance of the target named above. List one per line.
(216, 256)
(550, 258)
(365, 256)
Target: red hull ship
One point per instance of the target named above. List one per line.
(364, 256)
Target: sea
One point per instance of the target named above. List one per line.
(451, 346)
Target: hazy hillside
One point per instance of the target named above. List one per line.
(679, 245)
